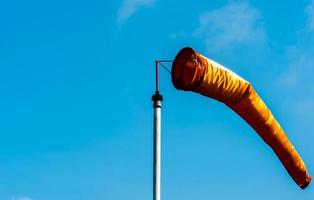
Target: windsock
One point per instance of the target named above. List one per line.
(193, 72)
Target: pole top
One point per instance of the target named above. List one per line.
(157, 97)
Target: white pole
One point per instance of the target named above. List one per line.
(157, 98)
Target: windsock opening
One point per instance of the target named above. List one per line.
(186, 70)
(193, 72)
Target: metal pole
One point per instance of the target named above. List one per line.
(157, 98)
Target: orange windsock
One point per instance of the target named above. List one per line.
(194, 72)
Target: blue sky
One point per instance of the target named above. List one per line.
(76, 78)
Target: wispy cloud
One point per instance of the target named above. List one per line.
(310, 15)
(300, 66)
(180, 34)
(21, 198)
(298, 76)
(305, 106)
(130, 7)
(300, 55)
(233, 24)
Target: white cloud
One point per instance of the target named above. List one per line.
(233, 24)
(130, 7)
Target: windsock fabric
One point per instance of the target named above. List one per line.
(194, 72)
